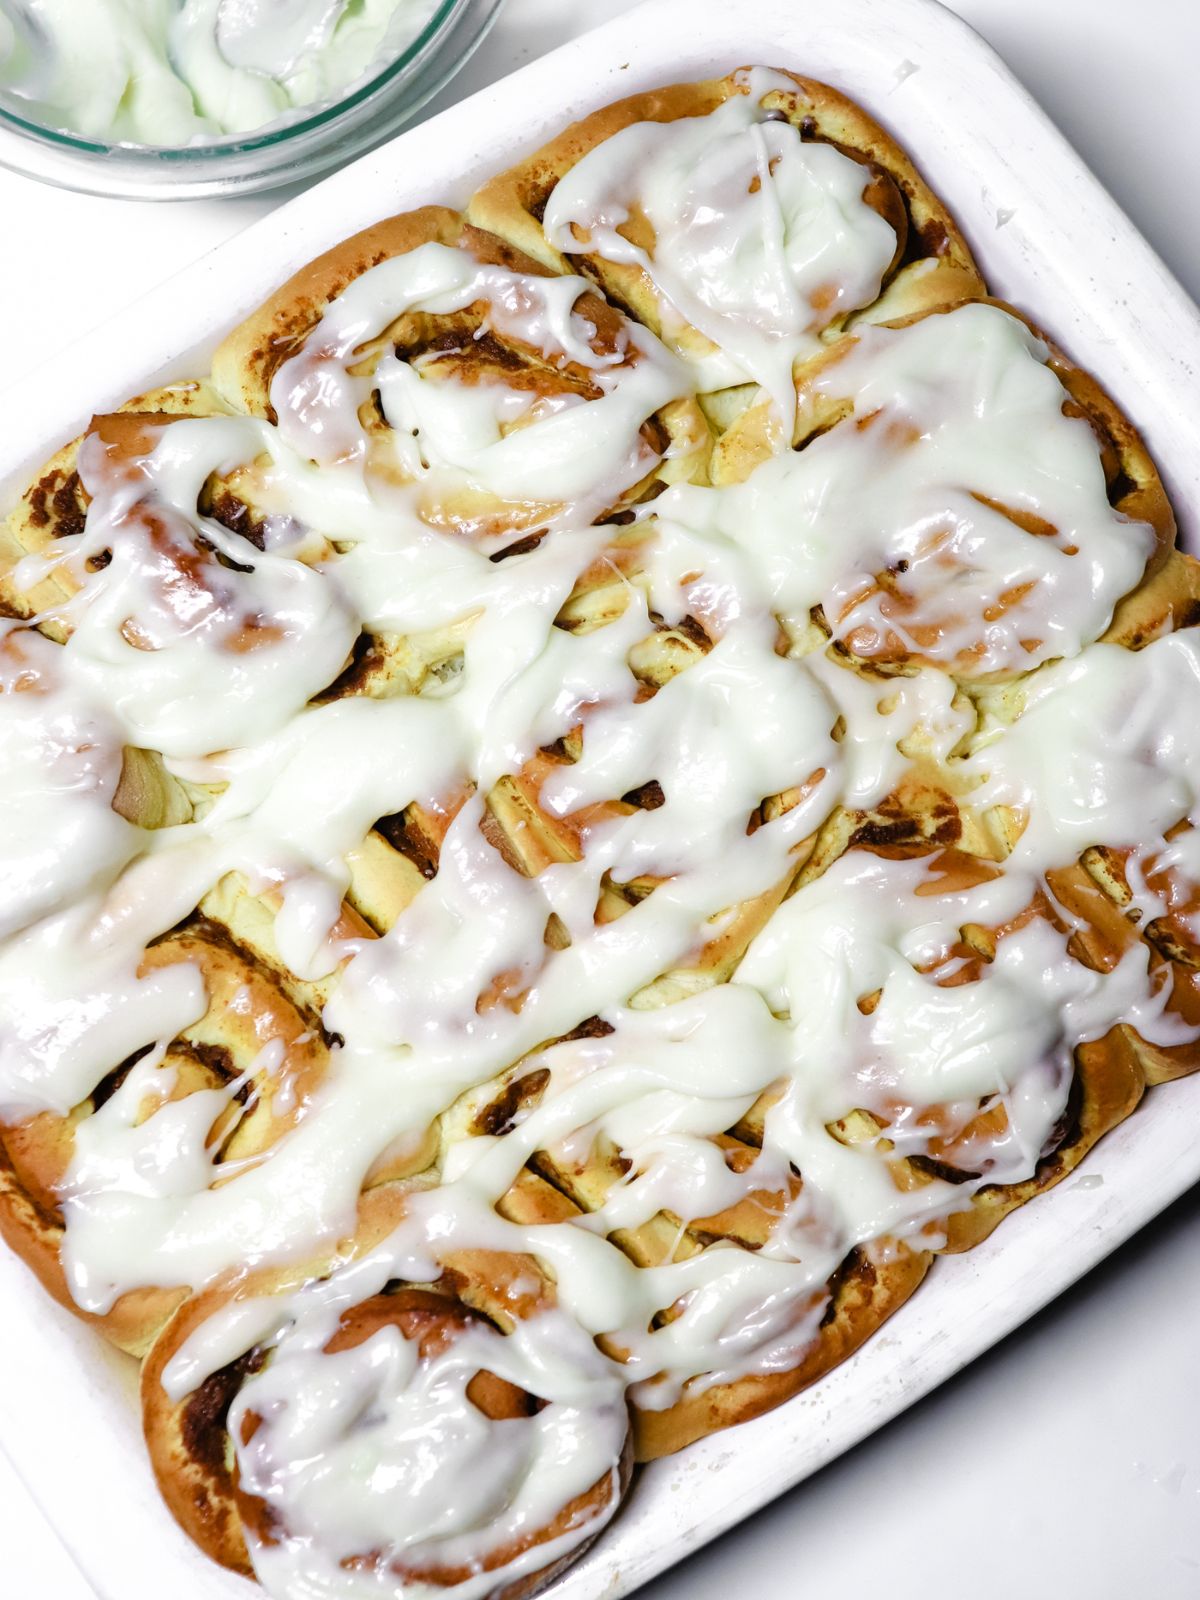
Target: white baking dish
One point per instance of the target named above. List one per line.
(1050, 240)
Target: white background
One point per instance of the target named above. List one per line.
(1067, 1462)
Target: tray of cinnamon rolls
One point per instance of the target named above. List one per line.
(597, 784)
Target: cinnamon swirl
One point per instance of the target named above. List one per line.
(617, 780)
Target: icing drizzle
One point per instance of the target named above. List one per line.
(643, 746)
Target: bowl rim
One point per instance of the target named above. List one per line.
(275, 135)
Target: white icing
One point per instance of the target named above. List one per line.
(857, 1031)
(60, 763)
(761, 240)
(1104, 751)
(175, 72)
(192, 655)
(373, 1449)
(573, 457)
(73, 1006)
(956, 406)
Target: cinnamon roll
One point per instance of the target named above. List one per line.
(457, 1434)
(495, 395)
(617, 781)
(748, 221)
(941, 564)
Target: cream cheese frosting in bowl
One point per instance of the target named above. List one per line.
(175, 98)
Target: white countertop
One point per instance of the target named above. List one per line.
(1067, 1461)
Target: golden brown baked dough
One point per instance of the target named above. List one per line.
(261, 1011)
(464, 347)
(932, 267)
(189, 1441)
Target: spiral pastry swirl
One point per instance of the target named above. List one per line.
(618, 779)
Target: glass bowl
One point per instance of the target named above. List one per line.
(302, 146)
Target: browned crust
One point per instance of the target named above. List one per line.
(1167, 595)
(55, 503)
(211, 1053)
(1109, 1083)
(872, 1283)
(191, 1462)
(1135, 488)
(534, 1582)
(189, 1449)
(248, 358)
(246, 362)
(512, 204)
(192, 1453)
(1111, 1074)
(34, 1232)
(1096, 895)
